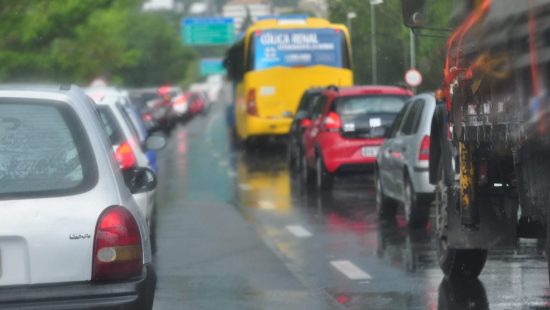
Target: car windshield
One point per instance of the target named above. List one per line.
(39, 154)
(356, 105)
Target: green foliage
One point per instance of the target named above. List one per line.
(76, 41)
(392, 41)
(161, 56)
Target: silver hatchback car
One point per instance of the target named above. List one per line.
(401, 175)
(71, 235)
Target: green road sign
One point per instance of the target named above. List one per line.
(208, 31)
(209, 66)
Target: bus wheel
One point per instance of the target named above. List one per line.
(455, 263)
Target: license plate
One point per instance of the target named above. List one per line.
(370, 151)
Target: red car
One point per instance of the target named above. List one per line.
(346, 130)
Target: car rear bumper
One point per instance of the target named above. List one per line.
(260, 126)
(345, 155)
(420, 179)
(134, 294)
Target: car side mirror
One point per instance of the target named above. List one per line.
(139, 179)
(306, 122)
(155, 142)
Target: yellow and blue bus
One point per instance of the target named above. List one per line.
(276, 60)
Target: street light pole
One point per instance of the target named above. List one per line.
(373, 44)
(349, 17)
(413, 48)
(413, 52)
(373, 39)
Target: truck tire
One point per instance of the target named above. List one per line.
(416, 212)
(548, 241)
(455, 263)
(385, 206)
(461, 264)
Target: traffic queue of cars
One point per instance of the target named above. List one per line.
(164, 107)
(378, 129)
(77, 198)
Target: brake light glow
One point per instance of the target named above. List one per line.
(332, 122)
(117, 246)
(124, 154)
(251, 108)
(424, 151)
(306, 122)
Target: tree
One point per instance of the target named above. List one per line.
(392, 41)
(162, 58)
(75, 41)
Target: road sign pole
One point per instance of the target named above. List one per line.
(413, 52)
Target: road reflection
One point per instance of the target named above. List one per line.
(344, 225)
(263, 179)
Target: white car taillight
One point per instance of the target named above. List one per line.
(424, 151)
(117, 252)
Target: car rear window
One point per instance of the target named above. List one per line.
(111, 125)
(354, 105)
(44, 150)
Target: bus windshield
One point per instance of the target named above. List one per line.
(297, 48)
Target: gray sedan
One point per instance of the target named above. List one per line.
(402, 164)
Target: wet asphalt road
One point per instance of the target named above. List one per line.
(237, 231)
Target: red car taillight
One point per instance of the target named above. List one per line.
(424, 151)
(117, 246)
(251, 108)
(125, 156)
(147, 117)
(332, 122)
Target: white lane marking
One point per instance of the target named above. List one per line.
(231, 173)
(223, 163)
(350, 270)
(298, 231)
(244, 187)
(266, 204)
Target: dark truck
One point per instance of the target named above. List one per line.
(490, 150)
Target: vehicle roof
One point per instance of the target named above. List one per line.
(106, 95)
(275, 23)
(371, 90)
(287, 23)
(61, 93)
